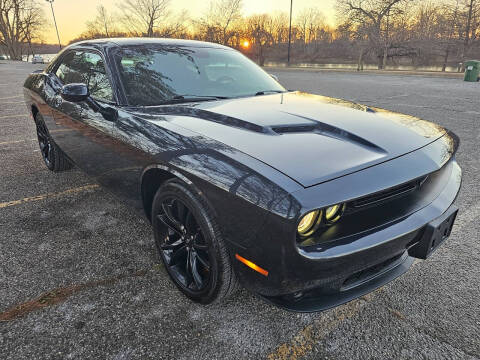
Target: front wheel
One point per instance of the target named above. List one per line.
(190, 244)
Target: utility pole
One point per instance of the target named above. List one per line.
(467, 34)
(55, 22)
(290, 33)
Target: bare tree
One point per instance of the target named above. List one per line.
(257, 29)
(450, 16)
(176, 26)
(32, 25)
(436, 25)
(218, 21)
(402, 32)
(471, 6)
(20, 22)
(279, 29)
(103, 24)
(309, 21)
(144, 17)
(372, 17)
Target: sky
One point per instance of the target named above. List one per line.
(71, 15)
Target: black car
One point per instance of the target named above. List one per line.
(306, 200)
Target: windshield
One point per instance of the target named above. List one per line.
(168, 73)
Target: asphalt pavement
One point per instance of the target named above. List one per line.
(80, 277)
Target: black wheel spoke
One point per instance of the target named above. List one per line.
(203, 261)
(190, 222)
(181, 211)
(167, 208)
(188, 269)
(196, 276)
(197, 245)
(178, 254)
(174, 227)
(167, 245)
(182, 245)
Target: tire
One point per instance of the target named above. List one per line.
(53, 157)
(199, 242)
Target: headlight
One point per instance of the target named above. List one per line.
(333, 213)
(309, 222)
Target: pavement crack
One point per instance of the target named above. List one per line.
(50, 195)
(61, 294)
(305, 340)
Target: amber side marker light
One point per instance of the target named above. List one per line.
(251, 265)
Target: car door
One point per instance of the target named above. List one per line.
(82, 132)
(88, 136)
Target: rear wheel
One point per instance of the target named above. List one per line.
(190, 244)
(52, 155)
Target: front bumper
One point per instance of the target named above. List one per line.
(319, 278)
(421, 244)
(318, 300)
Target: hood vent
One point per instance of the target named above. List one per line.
(293, 129)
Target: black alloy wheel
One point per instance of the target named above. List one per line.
(184, 248)
(52, 155)
(190, 244)
(45, 143)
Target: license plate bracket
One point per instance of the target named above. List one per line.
(436, 232)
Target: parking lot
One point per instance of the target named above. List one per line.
(80, 278)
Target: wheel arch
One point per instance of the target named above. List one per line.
(153, 176)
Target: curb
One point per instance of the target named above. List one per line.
(371, 72)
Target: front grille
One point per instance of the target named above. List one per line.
(389, 194)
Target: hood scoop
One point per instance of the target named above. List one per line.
(293, 129)
(325, 130)
(208, 116)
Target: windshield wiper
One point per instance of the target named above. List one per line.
(263, 92)
(178, 99)
(204, 97)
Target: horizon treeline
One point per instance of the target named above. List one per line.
(381, 32)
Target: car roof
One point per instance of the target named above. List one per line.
(146, 41)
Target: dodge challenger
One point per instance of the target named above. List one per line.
(307, 201)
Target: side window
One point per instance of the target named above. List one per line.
(88, 68)
(98, 83)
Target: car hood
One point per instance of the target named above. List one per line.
(310, 138)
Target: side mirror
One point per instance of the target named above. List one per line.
(74, 92)
(275, 77)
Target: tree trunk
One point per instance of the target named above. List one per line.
(445, 59)
(380, 61)
(261, 59)
(360, 60)
(150, 28)
(385, 57)
(467, 34)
